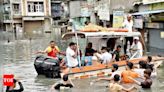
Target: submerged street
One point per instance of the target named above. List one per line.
(81, 45)
(18, 59)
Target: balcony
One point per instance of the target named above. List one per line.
(6, 1)
(17, 14)
(32, 18)
(35, 14)
(7, 18)
(16, 1)
(6, 8)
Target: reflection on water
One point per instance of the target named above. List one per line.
(18, 59)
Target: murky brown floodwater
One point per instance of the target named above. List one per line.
(17, 58)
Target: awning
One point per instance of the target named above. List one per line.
(148, 12)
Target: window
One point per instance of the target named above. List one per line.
(35, 7)
(30, 7)
(16, 8)
(56, 9)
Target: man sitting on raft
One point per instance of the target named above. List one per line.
(52, 50)
(116, 54)
(105, 56)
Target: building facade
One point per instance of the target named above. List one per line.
(12, 15)
(104, 9)
(26, 16)
(1, 15)
(36, 15)
(152, 14)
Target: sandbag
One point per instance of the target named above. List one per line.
(47, 66)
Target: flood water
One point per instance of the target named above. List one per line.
(17, 58)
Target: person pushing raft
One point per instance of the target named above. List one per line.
(65, 83)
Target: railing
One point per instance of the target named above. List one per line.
(7, 17)
(18, 12)
(6, 1)
(16, 1)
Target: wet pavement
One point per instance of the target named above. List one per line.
(17, 58)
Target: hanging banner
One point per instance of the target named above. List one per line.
(103, 12)
(118, 19)
(85, 9)
(138, 23)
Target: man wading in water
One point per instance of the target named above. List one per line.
(65, 83)
(116, 87)
(12, 88)
(147, 81)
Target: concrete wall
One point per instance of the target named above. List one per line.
(74, 9)
(1, 15)
(8, 27)
(31, 26)
(144, 8)
(122, 4)
(1, 25)
(155, 40)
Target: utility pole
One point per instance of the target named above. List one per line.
(12, 29)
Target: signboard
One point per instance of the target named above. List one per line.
(75, 12)
(103, 12)
(118, 19)
(162, 34)
(158, 6)
(85, 9)
(153, 25)
(138, 23)
(85, 12)
(151, 1)
(8, 80)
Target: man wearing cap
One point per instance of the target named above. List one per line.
(136, 48)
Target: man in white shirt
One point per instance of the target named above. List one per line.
(128, 23)
(106, 57)
(136, 48)
(71, 55)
